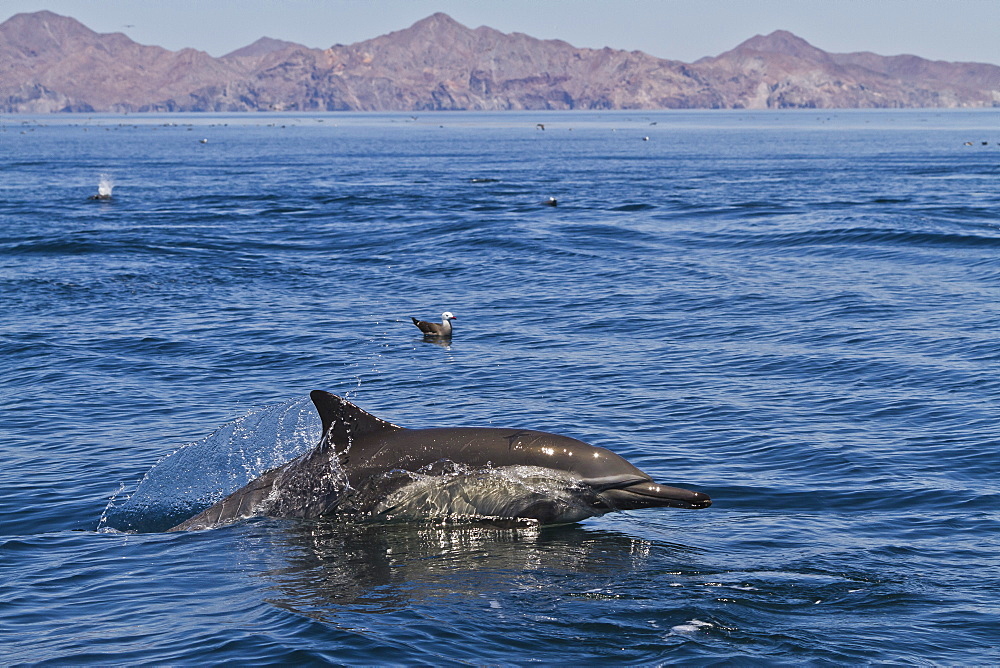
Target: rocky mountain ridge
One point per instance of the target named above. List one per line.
(52, 63)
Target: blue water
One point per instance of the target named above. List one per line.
(796, 313)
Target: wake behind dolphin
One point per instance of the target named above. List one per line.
(365, 466)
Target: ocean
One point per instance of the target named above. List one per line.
(794, 312)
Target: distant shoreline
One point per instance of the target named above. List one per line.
(440, 65)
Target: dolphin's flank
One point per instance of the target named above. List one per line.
(369, 467)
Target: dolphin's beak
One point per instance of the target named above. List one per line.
(653, 495)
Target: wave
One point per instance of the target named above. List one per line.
(859, 236)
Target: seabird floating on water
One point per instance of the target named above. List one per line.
(441, 330)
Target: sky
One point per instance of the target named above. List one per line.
(685, 30)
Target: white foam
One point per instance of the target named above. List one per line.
(692, 626)
(105, 186)
(501, 492)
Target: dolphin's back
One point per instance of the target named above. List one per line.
(366, 443)
(476, 447)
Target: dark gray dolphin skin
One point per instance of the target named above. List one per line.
(379, 458)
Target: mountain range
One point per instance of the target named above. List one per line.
(53, 63)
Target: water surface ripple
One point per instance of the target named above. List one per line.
(796, 313)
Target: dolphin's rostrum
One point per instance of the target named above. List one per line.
(366, 466)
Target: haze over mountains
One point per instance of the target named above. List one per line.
(52, 63)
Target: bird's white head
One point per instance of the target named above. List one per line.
(447, 315)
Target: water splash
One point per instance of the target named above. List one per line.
(503, 492)
(199, 474)
(105, 186)
(102, 524)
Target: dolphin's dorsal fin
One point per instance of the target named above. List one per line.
(343, 421)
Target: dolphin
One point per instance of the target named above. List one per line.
(365, 466)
